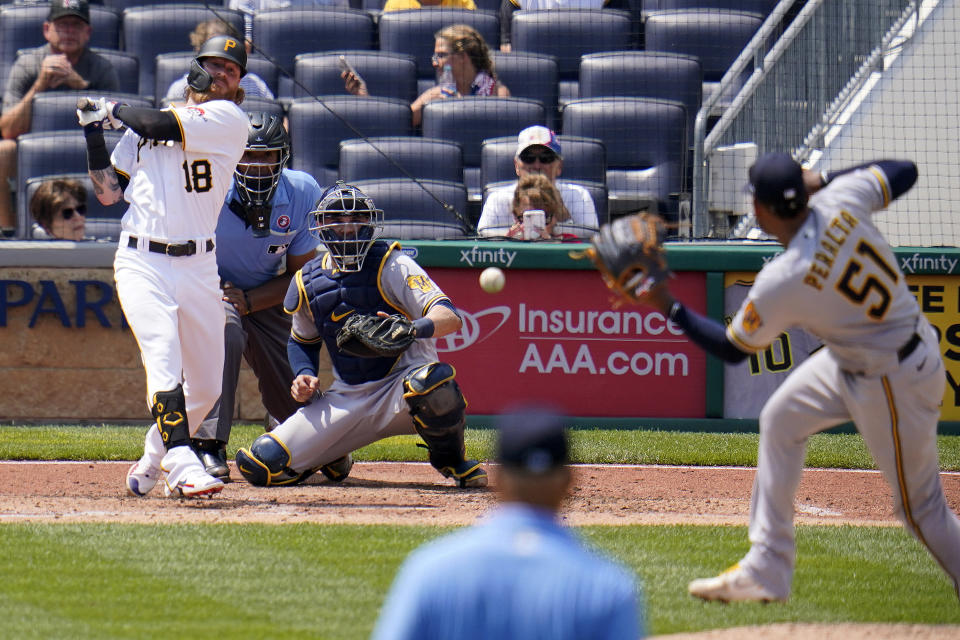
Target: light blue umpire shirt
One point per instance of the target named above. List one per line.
(249, 262)
(516, 574)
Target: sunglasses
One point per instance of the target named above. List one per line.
(79, 210)
(545, 157)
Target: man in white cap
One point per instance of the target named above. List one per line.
(538, 151)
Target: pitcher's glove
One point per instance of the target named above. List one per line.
(629, 254)
(371, 336)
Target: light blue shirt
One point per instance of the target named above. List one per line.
(247, 261)
(517, 574)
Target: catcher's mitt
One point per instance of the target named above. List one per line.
(629, 254)
(371, 336)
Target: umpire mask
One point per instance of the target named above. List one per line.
(347, 222)
(259, 170)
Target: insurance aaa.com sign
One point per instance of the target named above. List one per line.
(553, 336)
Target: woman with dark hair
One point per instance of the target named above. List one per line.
(60, 210)
(462, 49)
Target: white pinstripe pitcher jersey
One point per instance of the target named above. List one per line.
(837, 279)
(175, 189)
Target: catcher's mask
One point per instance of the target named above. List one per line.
(258, 172)
(347, 222)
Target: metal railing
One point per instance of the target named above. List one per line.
(793, 92)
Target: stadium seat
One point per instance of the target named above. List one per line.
(120, 5)
(390, 75)
(584, 159)
(411, 32)
(21, 27)
(646, 144)
(401, 157)
(419, 211)
(644, 74)
(569, 34)
(127, 66)
(715, 37)
(598, 192)
(317, 127)
(162, 28)
(170, 66)
(530, 75)
(470, 121)
(48, 153)
(755, 6)
(57, 110)
(282, 34)
(103, 223)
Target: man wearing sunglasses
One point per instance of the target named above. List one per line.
(538, 151)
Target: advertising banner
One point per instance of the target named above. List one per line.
(553, 336)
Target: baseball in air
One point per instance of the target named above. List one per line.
(492, 280)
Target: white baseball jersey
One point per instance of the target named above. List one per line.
(837, 279)
(176, 189)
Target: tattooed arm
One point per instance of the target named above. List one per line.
(106, 181)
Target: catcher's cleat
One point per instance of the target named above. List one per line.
(339, 469)
(141, 478)
(733, 585)
(468, 474)
(215, 463)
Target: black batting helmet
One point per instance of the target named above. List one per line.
(226, 47)
(256, 181)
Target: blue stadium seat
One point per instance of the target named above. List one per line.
(756, 6)
(162, 28)
(170, 66)
(644, 74)
(389, 75)
(413, 210)
(569, 34)
(127, 66)
(470, 121)
(646, 146)
(21, 27)
(120, 5)
(530, 75)
(57, 110)
(282, 34)
(103, 223)
(316, 129)
(48, 153)
(411, 32)
(422, 158)
(584, 159)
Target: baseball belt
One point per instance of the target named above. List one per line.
(188, 248)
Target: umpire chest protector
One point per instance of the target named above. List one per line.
(334, 296)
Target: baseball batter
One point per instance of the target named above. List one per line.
(881, 367)
(174, 167)
(371, 397)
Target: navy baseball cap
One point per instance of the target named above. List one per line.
(61, 8)
(532, 439)
(777, 180)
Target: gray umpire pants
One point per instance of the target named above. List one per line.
(260, 338)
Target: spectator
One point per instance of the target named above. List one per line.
(253, 85)
(465, 51)
(399, 5)
(539, 152)
(251, 7)
(263, 238)
(59, 208)
(507, 7)
(529, 577)
(64, 63)
(536, 192)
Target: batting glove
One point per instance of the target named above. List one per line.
(112, 121)
(91, 110)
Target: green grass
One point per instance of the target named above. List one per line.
(845, 451)
(153, 581)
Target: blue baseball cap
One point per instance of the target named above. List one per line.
(776, 179)
(532, 439)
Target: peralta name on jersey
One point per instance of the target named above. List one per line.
(833, 238)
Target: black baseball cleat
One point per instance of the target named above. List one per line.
(214, 459)
(468, 474)
(339, 469)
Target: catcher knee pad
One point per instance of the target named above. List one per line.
(264, 464)
(170, 411)
(438, 410)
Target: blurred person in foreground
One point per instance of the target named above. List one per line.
(59, 208)
(530, 577)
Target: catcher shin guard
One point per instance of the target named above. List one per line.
(437, 407)
(170, 411)
(264, 464)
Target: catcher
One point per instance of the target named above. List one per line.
(375, 309)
